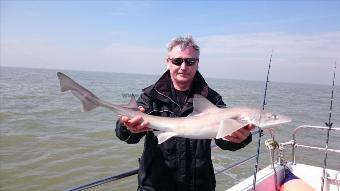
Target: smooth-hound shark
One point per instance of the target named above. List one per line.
(207, 121)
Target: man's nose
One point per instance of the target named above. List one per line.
(183, 65)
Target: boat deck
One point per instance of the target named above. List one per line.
(312, 175)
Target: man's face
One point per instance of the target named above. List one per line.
(183, 74)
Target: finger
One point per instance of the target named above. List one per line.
(233, 139)
(141, 108)
(238, 135)
(242, 132)
(250, 127)
(137, 120)
(139, 129)
(124, 119)
(132, 128)
(143, 129)
(144, 124)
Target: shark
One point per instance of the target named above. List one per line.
(207, 121)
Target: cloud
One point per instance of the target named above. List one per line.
(135, 58)
(296, 58)
(122, 9)
(116, 57)
(306, 58)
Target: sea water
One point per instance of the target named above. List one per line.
(48, 144)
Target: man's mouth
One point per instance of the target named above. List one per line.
(183, 74)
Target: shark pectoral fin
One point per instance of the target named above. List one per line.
(227, 127)
(163, 136)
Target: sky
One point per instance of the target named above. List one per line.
(236, 38)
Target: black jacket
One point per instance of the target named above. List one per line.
(178, 164)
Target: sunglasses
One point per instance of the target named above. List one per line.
(187, 61)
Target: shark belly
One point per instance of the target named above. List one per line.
(202, 129)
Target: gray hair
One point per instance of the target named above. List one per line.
(184, 42)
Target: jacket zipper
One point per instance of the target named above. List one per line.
(168, 98)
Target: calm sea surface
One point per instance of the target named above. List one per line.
(48, 144)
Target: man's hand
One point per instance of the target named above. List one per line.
(137, 124)
(241, 134)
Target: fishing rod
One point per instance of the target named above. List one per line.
(267, 81)
(104, 180)
(264, 103)
(231, 166)
(135, 171)
(329, 124)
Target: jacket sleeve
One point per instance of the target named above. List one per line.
(123, 133)
(227, 145)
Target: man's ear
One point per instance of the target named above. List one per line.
(166, 64)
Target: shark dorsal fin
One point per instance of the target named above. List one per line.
(132, 103)
(202, 105)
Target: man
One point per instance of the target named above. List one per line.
(178, 163)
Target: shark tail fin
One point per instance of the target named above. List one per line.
(88, 100)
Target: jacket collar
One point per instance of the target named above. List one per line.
(162, 88)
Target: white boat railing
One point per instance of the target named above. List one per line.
(294, 143)
(270, 177)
